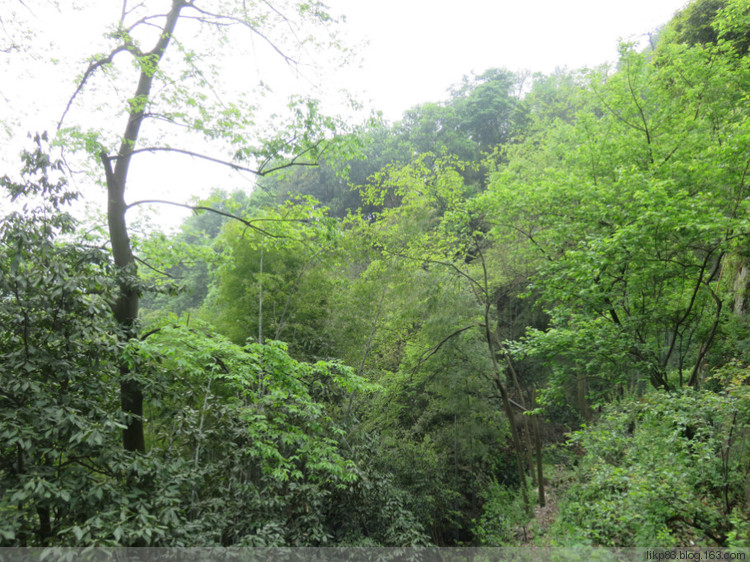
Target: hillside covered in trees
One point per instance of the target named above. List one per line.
(517, 317)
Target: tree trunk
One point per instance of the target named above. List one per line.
(45, 525)
(538, 447)
(524, 418)
(583, 403)
(514, 434)
(508, 412)
(740, 290)
(125, 309)
(504, 395)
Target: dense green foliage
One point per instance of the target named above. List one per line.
(663, 470)
(246, 445)
(410, 342)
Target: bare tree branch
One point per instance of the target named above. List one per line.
(233, 165)
(126, 12)
(151, 267)
(146, 20)
(198, 208)
(429, 260)
(93, 66)
(294, 161)
(219, 18)
(288, 22)
(517, 405)
(425, 356)
(166, 119)
(229, 163)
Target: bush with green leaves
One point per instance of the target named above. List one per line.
(668, 469)
(248, 422)
(64, 478)
(503, 514)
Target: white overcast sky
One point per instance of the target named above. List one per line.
(418, 48)
(411, 52)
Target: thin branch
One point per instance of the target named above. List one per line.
(232, 165)
(741, 189)
(92, 467)
(289, 22)
(209, 22)
(150, 333)
(517, 405)
(640, 112)
(289, 164)
(166, 119)
(704, 348)
(146, 20)
(126, 12)
(93, 66)
(425, 356)
(294, 161)
(275, 154)
(198, 208)
(151, 267)
(276, 11)
(148, 23)
(615, 113)
(524, 233)
(666, 159)
(220, 17)
(197, 70)
(429, 260)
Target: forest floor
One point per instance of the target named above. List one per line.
(535, 533)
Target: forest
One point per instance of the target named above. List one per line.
(518, 317)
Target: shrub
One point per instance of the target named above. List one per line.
(668, 469)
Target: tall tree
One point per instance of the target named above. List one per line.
(170, 85)
(631, 208)
(439, 227)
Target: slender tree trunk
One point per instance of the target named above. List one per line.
(513, 430)
(583, 403)
(538, 447)
(529, 449)
(740, 289)
(125, 309)
(526, 428)
(260, 294)
(504, 395)
(45, 525)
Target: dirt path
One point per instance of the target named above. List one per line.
(535, 533)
